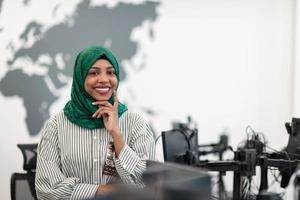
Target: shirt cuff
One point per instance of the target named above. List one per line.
(84, 191)
(126, 161)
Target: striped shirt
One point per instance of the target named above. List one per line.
(71, 158)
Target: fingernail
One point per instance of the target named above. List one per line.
(94, 103)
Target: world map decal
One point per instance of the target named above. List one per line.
(59, 44)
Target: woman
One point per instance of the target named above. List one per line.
(95, 140)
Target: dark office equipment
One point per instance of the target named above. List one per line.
(177, 182)
(166, 181)
(180, 145)
(292, 149)
(22, 184)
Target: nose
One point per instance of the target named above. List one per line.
(103, 78)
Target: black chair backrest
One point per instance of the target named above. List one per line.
(29, 152)
(22, 186)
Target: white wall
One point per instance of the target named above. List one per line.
(296, 71)
(227, 63)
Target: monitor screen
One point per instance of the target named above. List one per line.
(166, 181)
(176, 182)
(292, 149)
(180, 146)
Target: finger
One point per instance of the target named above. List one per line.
(96, 113)
(103, 111)
(104, 115)
(102, 103)
(116, 100)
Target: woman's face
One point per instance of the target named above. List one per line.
(101, 80)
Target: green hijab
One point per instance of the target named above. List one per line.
(79, 109)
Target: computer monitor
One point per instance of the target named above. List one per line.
(180, 146)
(166, 181)
(176, 182)
(292, 149)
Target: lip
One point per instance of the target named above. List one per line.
(102, 86)
(102, 90)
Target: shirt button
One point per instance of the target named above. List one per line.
(95, 160)
(95, 137)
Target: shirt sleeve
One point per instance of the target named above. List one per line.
(50, 182)
(131, 162)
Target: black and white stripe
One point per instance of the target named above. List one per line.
(71, 158)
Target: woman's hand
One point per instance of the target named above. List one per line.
(109, 114)
(105, 189)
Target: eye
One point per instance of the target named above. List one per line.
(93, 72)
(111, 72)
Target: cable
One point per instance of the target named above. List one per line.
(249, 128)
(185, 136)
(287, 154)
(157, 139)
(272, 170)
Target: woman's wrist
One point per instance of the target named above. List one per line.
(116, 133)
(118, 141)
(105, 189)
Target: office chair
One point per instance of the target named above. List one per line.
(22, 184)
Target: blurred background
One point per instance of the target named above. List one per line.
(226, 63)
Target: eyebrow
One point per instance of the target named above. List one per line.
(109, 67)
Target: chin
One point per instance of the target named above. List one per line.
(102, 98)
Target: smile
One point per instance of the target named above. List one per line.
(102, 91)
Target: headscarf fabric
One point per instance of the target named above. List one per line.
(79, 109)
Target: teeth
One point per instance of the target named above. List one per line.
(102, 89)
